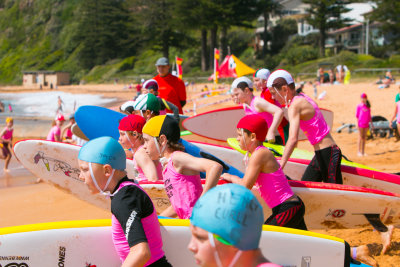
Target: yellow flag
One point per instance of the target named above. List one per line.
(241, 68)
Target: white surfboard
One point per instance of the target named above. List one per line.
(57, 163)
(220, 124)
(328, 206)
(89, 243)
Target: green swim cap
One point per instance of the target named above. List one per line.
(104, 150)
(232, 212)
(147, 102)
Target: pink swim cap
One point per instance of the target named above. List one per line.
(363, 95)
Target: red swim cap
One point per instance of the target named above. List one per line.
(255, 124)
(60, 117)
(132, 123)
(363, 95)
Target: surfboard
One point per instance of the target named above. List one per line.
(95, 122)
(89, 243)
(297, 153)
(220, 124)
(328, 206)
(78, 132)
(57, 164)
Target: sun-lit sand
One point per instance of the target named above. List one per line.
(22, 201)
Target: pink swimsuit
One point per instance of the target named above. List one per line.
(273, 187)
(141, 177)
(363, 115)
(8, 134)
(151, 228)
(252, 110)
(182, 190)
(55, 130)
(315, 128)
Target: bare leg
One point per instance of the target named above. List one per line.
(386, 238)
(363, 255)
(7, 161)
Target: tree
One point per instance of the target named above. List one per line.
(104, 32)
(267, 8)
(325, 15)
(387, 12)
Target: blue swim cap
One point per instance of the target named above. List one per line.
(104, 150)
(232, 212)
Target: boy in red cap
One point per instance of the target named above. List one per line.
(264, 171)
(131, 137)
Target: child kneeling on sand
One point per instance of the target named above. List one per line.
(227, 240)
(181, 170)
(136, 230)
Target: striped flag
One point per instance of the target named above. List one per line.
(179, 66)
(216, 65)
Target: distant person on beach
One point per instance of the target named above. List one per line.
(55, 131)
(181, 170)
(170, 87)
(135, 228)
(396, 116)
(6, 136)
(305, 114)
(242, 93)
(363, 115)
(264, 172)
(2, 106)
(10, 108)
(131, 137)
(66, 134)
(60, 104)
(226, 240)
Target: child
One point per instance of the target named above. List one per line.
(6, 136)
(242, 93)
(130, 137)
(227, 240)
(396, 116)
(260, 78)
(305, 114)
(67, 132)
(55, 131)
(363, 115)
(181, 171)
(135, 227)
(151, 86)
(264, 171)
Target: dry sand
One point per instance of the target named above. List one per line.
(22, 201)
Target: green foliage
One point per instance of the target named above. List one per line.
(300, 54)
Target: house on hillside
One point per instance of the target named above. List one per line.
(41, 79)
(353, 38)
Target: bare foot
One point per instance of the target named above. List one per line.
(363, 255)
(39, 180)
(386, 239)
(6, 170)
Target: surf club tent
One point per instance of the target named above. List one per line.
(232, 67)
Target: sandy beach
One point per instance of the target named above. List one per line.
(22, 201)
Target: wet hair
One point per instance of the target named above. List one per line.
(243, 85)
(175, 146)
(368, 104)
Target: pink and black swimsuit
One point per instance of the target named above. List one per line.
(325, 165)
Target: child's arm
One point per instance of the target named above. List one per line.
(294, 120)
(147, 165)
(264, 106)
(253, 170)
(390, 122)
(1, 134)
(189, 165)
(138, 255)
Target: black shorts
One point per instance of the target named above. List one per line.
(162, 262)
(325, 166)
(6, 151)
(288, 214)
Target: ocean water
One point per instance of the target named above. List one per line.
(44, 104)
(33, 113)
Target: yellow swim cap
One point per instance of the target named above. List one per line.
(9, 119)
(163, 124)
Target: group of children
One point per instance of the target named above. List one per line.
(152, 141)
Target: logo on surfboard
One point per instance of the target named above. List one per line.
(58, 165)
(336, 213)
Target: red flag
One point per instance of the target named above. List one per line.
(216, 65)
(179, 66)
